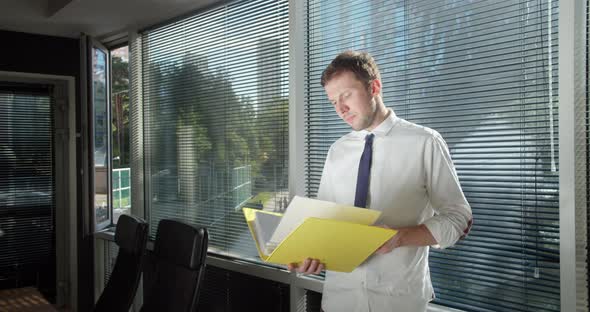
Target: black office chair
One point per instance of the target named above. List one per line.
(179, 257)
(131, 237)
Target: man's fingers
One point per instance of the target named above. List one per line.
(385, 248)
(304, 266)
(313, 266)
(320, 268)
(308, 266)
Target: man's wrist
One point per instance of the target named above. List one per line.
(418, 235)
(401, 238)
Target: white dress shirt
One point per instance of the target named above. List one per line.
(413, 181)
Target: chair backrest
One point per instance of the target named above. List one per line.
(180, 250)
(131, 237)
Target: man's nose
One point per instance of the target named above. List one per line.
(341, 107)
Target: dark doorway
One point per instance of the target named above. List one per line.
(27, 188)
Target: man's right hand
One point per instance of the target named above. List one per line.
(308, 266)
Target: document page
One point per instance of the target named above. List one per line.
(264, 226)
(302, 208)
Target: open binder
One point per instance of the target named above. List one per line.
(341, 237)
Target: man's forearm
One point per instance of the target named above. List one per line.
(418, 235)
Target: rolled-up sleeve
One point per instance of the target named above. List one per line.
(452, 219)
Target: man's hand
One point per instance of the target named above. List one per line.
(418, 235)
(309, 266)
(391, 244)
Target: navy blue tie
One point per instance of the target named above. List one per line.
(362, 181)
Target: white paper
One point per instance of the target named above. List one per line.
(264, 226)
(302, 208)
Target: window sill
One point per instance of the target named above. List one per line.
(276, 274)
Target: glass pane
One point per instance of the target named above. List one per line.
(101, 163)
(27, 189)
(484, 75)
(215, 98)
(121, 173)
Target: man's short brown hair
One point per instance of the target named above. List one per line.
(361, 64)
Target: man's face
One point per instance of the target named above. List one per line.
(353, 102)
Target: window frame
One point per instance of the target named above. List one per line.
(107, 49)
(98, 226)
(110, 105)
(572, 188)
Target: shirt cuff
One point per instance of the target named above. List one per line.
(446, 235)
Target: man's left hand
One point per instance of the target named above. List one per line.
(391, 244)
(418, 235)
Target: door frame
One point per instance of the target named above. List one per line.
(64, 138)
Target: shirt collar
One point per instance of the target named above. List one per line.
(383, 128)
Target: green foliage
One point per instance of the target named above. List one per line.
(120, 75)
(198, 106)
(224, 128)
(120, 112)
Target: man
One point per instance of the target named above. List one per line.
(399, 168)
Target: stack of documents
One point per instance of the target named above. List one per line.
(340, 236)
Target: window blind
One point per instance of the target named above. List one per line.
(483, 74)
(587, 130)
(111, 251)
(215, 94)
(27, 187)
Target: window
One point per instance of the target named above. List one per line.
(121, 173)
(587, 132)
(484, 74)
(215, 99)
(110, 133)
(100, 137)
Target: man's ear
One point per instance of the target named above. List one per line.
(375, 87)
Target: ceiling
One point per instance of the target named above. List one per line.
(97, 18)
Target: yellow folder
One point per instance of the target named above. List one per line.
(341, 246)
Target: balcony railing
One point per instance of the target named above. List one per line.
(121, 192)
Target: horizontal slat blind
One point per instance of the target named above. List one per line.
(136, 124)
(483, 74)
(27, 188)
(587, 130)
(215, 94)
(111, 251)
